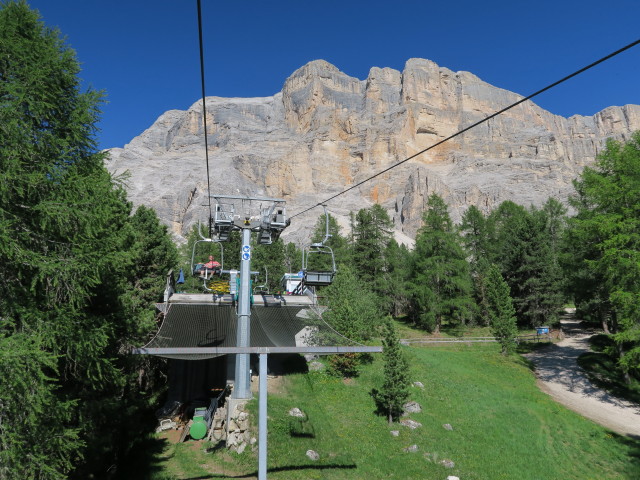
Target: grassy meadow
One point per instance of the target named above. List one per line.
(503, 428)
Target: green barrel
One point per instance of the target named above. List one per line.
(198, 428)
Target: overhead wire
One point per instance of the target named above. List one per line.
(204, 111)
(466, 129)
(204, 124)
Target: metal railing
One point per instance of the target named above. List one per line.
(520, 338)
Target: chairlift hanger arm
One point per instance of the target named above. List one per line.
(327, 235)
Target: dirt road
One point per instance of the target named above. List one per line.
(560, 376)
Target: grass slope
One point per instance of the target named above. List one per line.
(503, 428)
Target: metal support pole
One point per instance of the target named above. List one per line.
(242, 387)
(262, 419)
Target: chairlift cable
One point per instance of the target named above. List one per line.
(460, 132)
(204, 110)
(204, 124)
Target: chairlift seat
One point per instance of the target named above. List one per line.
(223, 234)
(265, 238)
(318, 278)
(198, 268)
(279, 221)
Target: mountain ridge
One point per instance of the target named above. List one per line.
(325, 131)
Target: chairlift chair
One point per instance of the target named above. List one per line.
(263, 289)
(223, 220)
(272, 221)
(319, 278)
(199, 269)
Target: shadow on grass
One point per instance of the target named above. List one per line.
(301, 428)
(529, 347)
(286, 364)
(288, 468)
(600, 342)
(217, 447)
(632, 443)
(603, 372)
(144, 461)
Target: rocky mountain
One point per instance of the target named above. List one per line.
(326, 131)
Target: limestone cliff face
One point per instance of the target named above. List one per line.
(327, 131)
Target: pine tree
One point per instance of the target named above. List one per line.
(475, 234)
(36, 440)
(336, 241)
(395, 388)
(396, 276)
(353, 313)
(371, 237)
(292, 258)
(608, 224)
(49, 172)
(541, 293)
(352, 306)
(75, 275)
(503, 315)
(476, 239)
(525, 245)
(440, 280)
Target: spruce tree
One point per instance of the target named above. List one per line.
(503, 315)
(371, 237)
(352, 306)
(608, 223)
(476, 239)
(76, 269)
(440, 281)
(395, 389)
(396, 276)
(526, 248)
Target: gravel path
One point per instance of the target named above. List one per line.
(560, 376)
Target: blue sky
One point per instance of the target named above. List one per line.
(144, 53)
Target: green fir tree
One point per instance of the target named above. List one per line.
(440, 280)
(77, 270)
(503, 315)
(395, 389)
(608, 225)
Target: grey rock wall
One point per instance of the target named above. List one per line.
(326, 131)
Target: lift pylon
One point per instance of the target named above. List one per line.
(236, 213)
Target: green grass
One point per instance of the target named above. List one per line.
(504, 428)
(604, 372)
(407, 329)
